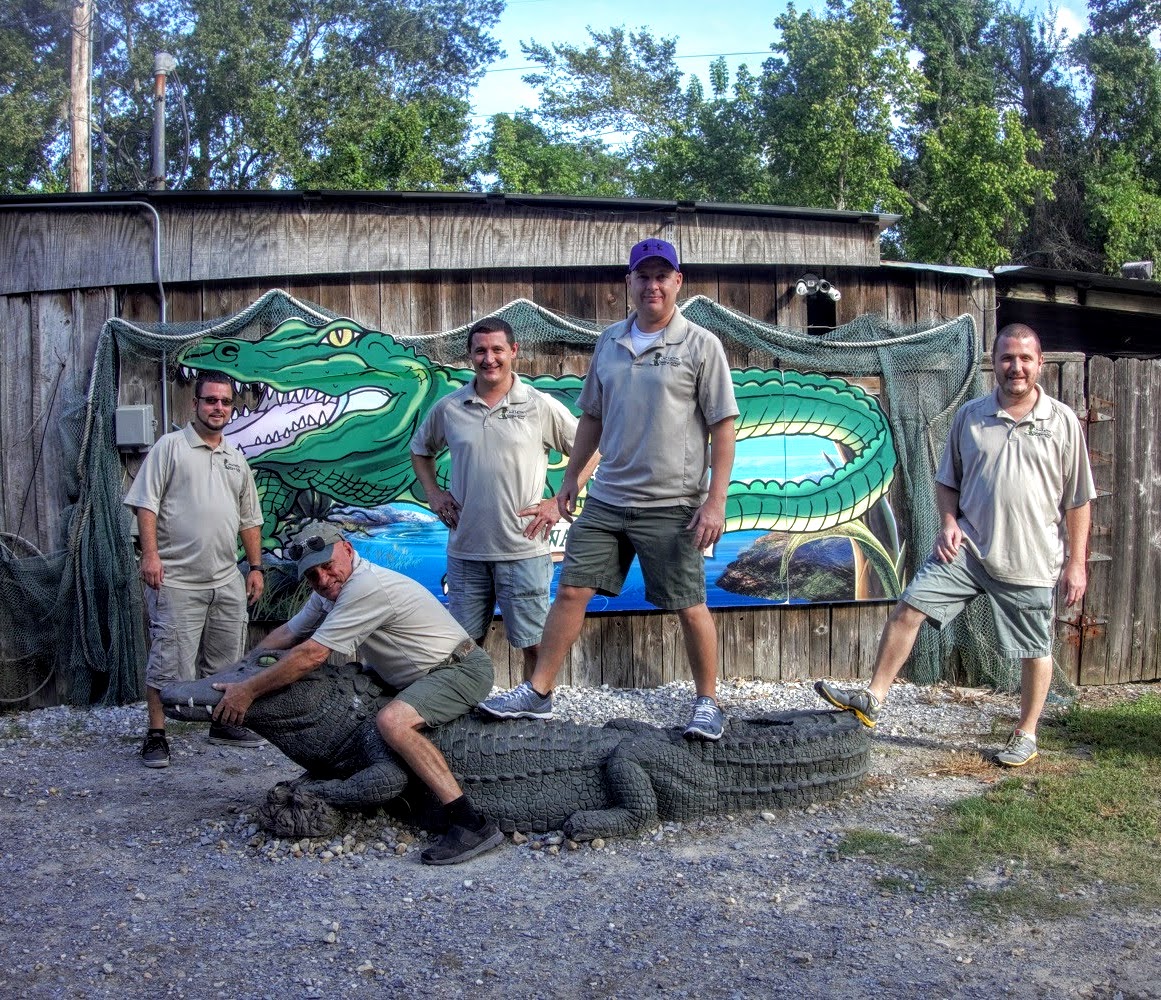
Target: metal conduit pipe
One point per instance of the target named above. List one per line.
(125, 203)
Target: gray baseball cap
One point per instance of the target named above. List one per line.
(313, 545)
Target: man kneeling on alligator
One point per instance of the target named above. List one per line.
(406, 637)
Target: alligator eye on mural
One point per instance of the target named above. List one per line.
(332, 410)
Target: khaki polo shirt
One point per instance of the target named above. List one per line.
(384, 619)
(499, 460)
(202, 497)
(1015, 481)
(656, 409)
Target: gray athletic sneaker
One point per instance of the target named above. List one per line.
(1020, 750)
(705, 721)
(522, 702)
(858, 700)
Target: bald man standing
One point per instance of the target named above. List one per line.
(1015, 471)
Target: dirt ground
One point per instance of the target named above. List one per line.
(125, 882)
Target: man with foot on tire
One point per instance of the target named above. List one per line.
(406, 637)
(658, 401)
(1015, 471)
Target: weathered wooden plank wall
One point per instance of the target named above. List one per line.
(83, 244)
(47, 342)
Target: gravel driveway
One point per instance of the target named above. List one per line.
(125, 882)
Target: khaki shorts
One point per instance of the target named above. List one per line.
(194, 633)
(452, 688)
(603, 541)
(1023, 614)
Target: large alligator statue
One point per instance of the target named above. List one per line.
(339, 404)
(588, 781)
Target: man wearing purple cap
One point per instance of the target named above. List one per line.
(659, 403)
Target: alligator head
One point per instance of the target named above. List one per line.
(338, 405)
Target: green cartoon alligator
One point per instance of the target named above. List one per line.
(340, 403)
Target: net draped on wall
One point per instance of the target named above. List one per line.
(78, 611)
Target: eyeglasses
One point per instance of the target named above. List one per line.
(316, 543)
(216, 399)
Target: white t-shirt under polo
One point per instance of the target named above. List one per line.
(1015, 481)
(656, 409)
(384, 619)
(202, 497)
(499, 460)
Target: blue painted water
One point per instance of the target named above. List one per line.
(417, 545)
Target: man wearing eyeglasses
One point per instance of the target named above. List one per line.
(498, 430)
(402, 633)
(193, 498)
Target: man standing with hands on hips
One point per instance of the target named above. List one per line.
(499, 431)
(658, 402)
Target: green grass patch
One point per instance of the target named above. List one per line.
(871, 843)
(13, 729)
(1088, 811)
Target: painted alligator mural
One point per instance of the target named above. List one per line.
(338, 405)
(588, 781)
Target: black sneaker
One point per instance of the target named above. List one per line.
(235, 736)
(155, 750)
(460, 844)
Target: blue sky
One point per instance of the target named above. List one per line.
(703, 31)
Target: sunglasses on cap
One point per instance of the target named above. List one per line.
(316, 543)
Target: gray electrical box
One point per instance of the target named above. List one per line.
(133, 426)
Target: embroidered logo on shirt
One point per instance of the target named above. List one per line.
(672, 360)
(231, 466)
(514, 413)
(1040, 432)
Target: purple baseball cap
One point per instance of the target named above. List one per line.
(653, 248)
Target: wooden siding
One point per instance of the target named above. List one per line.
(89, 247)
(47, 339)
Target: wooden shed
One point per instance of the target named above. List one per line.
(411, 264)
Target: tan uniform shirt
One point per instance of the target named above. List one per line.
(202, 497)
(1015, 480)
(499, 458)
(656, 409)
(384, 619)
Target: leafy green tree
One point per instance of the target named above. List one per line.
(709, 149)
(276, 92)
(523, 157)
(1123, 171)
(976, 184)
(34, 55)
(618, 83)
(982, 61)
(835, 98)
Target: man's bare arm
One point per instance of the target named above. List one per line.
(709, 520)
(441, 502)
(237, 698)
(949, 537)
(581, 460)
(1074, 578)
(152, 572)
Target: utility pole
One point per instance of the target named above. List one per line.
(80, 72)
(163, 65)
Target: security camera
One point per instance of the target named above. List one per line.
(807, 285)
(829, 290)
